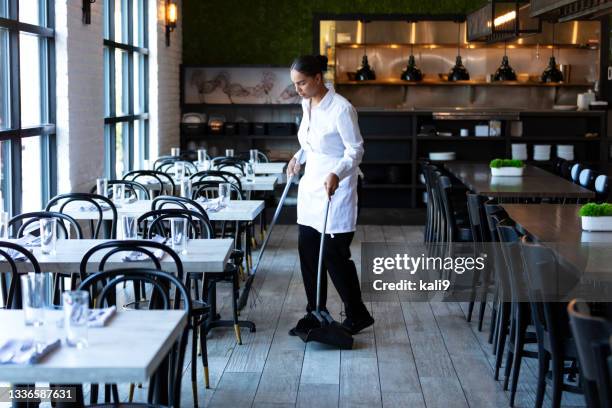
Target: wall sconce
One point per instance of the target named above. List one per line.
(87, 11)
(171, 17)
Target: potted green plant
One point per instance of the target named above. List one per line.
(506, 167)
(596, 217)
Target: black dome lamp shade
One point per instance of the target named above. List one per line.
(458, 72)
(411, 73)
(552, 73)
(505, 71)
(365, 72)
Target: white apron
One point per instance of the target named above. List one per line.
(312, 197)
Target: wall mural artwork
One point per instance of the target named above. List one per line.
(244, 85)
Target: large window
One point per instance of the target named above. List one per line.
(27, 104)
(126, 57)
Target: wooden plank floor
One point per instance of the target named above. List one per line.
(418, 354)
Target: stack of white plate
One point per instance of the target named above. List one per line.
(565, 152)
(440, 156)
(519, 151)
(541, 152)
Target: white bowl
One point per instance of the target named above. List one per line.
(439, 156)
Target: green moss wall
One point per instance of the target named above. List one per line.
(276, 31)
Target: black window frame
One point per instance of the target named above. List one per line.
(111, 44)
(47, 131)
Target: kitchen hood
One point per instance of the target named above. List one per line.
(569, 10)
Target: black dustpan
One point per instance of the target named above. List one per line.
(319, 326)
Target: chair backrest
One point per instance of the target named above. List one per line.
(210, 189)
(8, 252)
(26, 221)
(575, 172)
(168, 165)
(586, 178)
(478, 218)
(261, 156)
(602, 188)
(543, 274)
(238, 162)
(146, 177)
(145, 247)
(94, 199)
(154, 222)
(130, 188)
(592, 337)
(162, 284)
(185, 203)
(232, 167)
(514, 275)
(444, 189)
(212, 175)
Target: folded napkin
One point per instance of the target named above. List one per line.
(212, 205)
(25, 351)
(136, 256)
(91, 207)
(99, 317)
(25, 241)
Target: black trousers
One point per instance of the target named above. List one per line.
(337, 262)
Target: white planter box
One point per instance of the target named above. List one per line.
(597, 223)
(507, 171)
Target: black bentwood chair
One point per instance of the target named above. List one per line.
(592, 334)
(168, 292)
(92, 200)
(10, 285)
(157, 181)
(199, 312)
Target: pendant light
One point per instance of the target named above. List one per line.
(412, 73)
(552, 73)
(505, 71)
(458, 72)
(365, 73)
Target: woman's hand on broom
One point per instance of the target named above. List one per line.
(331, 184)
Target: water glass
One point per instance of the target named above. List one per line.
(178, 234)
(48, 235)
(179, 170)
(175, 151)
(76, 315)
(4, 225)
(202, 156)
(33, 297)
(186, 189)
(118, 194)
(129, 227)
(253, 158)
(250, 172)
(102, 187)
(225, 190)
(229, 152)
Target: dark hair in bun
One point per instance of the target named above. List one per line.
(310, 65)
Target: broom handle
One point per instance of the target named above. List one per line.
(320, 267)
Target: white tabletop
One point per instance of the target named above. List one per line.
(128, 349)
(258, 168)
(260, 183)
(203, 255)
(237, 210)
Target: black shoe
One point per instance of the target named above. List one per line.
(357, 325)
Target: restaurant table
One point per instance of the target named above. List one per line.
(129, 349)
(535, 182)
(558, 226)
(237, 210)
(203, 255)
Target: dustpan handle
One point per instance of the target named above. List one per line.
(320, 267)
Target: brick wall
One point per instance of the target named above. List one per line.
(80, 91)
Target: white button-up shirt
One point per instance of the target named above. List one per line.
(330, 142)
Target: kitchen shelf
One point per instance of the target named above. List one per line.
(425, 82)
(555, 140)
(386, 137)
(472, 45)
